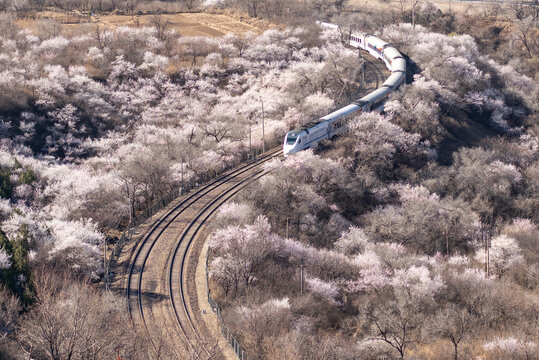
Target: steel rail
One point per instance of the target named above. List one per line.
(375, 70)
(205, 189)
(147, 246)
(208, 211)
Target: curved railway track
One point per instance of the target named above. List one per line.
(160, 299)
(377, 72)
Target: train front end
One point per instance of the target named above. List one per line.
(291, 143)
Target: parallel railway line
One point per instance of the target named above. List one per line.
(162, 300)
(375, 68)
(158, 298)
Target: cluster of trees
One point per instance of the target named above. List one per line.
(21, 7)
(412, 236)
(276, 10)
(409, 281)
(96, 127)
(373, 298)
(69, 319)
(389, 227)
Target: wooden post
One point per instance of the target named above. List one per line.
(301, 274)
(488, 255)
(105, 265)
(263, 130)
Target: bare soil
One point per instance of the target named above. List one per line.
(186, 24)
(190, 24)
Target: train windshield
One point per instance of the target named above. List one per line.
(291, 139)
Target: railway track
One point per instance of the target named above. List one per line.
(162, 299)
(160, 289)
(377, 72)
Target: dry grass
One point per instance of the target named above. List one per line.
(186, 24)
(462, 7)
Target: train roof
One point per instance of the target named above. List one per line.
(309, 125)
(393, 79)
(348, 109)
(376, 94)
(375, 40)
(392, 53)
(398, 64)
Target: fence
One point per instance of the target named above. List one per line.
(234, 344)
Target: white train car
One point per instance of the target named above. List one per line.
(310, 134)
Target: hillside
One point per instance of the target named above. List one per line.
(413, 235)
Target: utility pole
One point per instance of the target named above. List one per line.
(362, 67)
(301, 266)
(250, 146)
(363, 71)
(287, 227)
(488, 255)
(486, 239)
(414, 2)
(447, 243)
(263, 130)
(105, 268)
(182, 175)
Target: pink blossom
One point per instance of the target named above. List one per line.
(504, 254)
(5, 260)
(511, 347)
(327, 290)
(417, 283)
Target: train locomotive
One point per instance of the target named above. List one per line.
(310, 134)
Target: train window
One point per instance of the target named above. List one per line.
(290, 140)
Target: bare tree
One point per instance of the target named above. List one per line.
(455, 324)
(48, 28)
(396, 326)
(131, 185)
(526, 32)
(72, 320)
(130, 6)
(9, 309)
(404, 9)
(252, 6)
(194, 47)
(102, 36)
(8, 25)
(18, 5)
(191, 4)
(144, 177)
(160, 24)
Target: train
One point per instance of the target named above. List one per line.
(333, 124)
